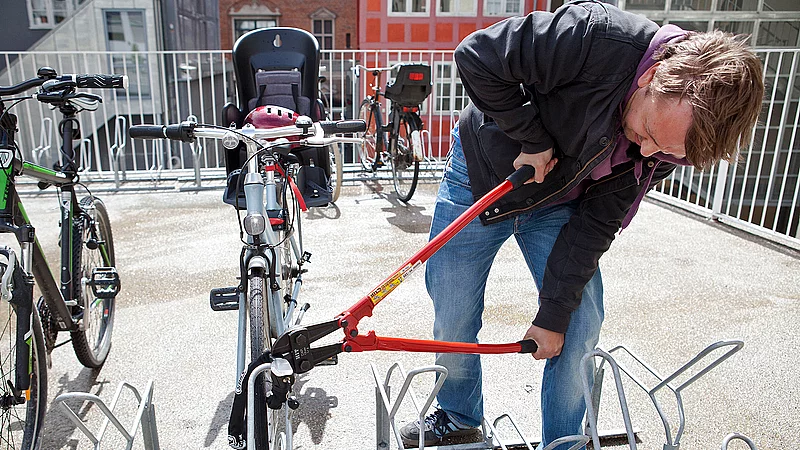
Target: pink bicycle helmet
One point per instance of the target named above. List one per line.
(271, 117)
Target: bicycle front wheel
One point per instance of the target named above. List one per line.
(93, 248)
(20, 424)
(258, 345)
(372, 143)
(405, 170)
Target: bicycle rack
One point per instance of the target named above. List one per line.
(118, 149)
(740, 437)
(386, 410)
(592, 401)
(45, 142)
(86, 156)
(145, 415)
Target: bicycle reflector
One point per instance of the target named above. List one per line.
(254, 224)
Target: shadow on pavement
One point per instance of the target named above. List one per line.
(58, 428)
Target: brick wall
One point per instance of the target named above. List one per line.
(297, 14)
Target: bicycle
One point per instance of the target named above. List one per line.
(272, 258)
(403, 145)
(82, 300)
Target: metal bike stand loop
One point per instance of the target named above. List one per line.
(592, 397)
(145, 415)
(386, 410)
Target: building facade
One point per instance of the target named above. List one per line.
(332, 21)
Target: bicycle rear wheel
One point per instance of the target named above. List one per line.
(405, 171)
(93, 247)
(373, 142)
(20, 424)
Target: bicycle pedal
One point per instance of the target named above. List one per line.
(225, 299)
(105, 282)
(332, 361)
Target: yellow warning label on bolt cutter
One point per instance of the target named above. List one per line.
(388, 286)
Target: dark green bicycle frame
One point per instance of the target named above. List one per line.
(59, 296)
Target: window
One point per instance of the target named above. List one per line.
(242, 25)
(770, 23)
(323, 31)
(457, 7)
(502, 8)
(691, 5)
(450, 95)
(639, 5)
(408, 7)
(125, 32)
(778, 33)
(49, 13)
(323, 26)
(737, 5)
(691, 25)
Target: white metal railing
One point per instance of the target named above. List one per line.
(758, 193)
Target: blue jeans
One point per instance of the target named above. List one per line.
(455, 277)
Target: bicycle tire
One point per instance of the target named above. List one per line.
(258, 344)
(92, 343)
(21, 424)
(337, 169)
(405, 171)
(373, 142)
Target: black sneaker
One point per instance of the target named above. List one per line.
(438, 426)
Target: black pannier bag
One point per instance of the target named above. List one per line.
(411, 86)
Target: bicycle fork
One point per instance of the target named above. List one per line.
(16, 287)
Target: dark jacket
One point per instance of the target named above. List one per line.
(556, 80)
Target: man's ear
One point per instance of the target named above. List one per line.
(647, 76)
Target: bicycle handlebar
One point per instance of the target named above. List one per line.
(374, 69)
(52, 82)
(312, 133)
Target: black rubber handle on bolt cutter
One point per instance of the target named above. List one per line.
(521, 175)
(343, 126)
(528, 346)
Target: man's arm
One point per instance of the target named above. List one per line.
(541, 51)
(575, 255)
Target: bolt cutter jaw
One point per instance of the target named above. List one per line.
(295, 345)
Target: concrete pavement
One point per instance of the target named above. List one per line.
(673, 284)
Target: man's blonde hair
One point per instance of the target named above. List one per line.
(721, 77)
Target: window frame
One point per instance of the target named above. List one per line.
(472, 13)
(454, 82)
(256, 18)
(72, 6)
(503, 4)
(758, 16)
(408, 13)
(144, 69)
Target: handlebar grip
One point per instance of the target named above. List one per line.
(101, 81)
(178, 132)
(147, 132)
(521, 175)
(343, 126)
(528, 345)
